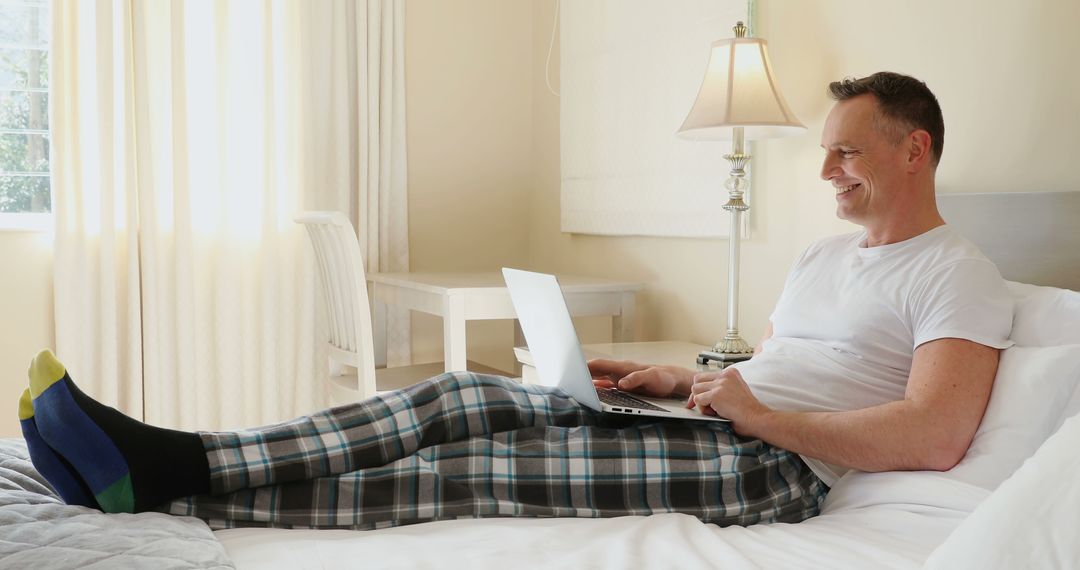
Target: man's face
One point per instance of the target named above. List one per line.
(863, 165)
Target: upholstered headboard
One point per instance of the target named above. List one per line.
(1033, 237)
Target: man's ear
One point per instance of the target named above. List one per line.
(919, 149)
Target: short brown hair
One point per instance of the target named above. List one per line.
(905, 102)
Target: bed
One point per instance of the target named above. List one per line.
(1006, 505)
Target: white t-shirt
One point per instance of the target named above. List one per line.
(850, 317)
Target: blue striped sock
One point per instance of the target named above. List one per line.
(56, 470)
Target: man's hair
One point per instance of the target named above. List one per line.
(904, 104)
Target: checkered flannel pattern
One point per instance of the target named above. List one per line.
(465, 445)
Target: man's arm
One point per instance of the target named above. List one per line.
(931, 428)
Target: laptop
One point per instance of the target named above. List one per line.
(549, 332)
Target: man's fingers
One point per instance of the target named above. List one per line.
(603, 383)
(605, 367)
(701, 387)
(632, 381)
(604, 364)
(600, 368)
(706, 377)
(703, 399)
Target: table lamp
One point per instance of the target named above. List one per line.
(739, 100)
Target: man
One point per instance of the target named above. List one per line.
(883, 348)
(880, 355)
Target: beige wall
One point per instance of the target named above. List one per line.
(1003, 72)
(468, 87)
(26, 315)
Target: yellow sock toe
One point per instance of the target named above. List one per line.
(45, 370)
(26, 406)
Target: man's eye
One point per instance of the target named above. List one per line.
(848, 153)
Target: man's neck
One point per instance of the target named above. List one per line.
(906, 221)
(875, 238)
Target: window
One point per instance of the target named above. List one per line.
(25, 197)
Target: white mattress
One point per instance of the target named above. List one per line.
(892, 520)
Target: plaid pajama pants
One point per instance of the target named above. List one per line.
(466, 445)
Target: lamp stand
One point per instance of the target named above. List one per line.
(732, 348)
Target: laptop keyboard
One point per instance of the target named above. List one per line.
(622, 400)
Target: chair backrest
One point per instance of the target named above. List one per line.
(341, 271)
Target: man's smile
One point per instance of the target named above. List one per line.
(846, 189)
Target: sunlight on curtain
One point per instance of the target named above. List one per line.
(228, 309)
(196, 123)
(96, 284)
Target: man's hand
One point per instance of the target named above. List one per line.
(724, 393)
(656, 381)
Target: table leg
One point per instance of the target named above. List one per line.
(622, 325)
(378, 327)
(454, 333)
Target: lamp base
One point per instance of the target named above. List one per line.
(723, 359)
(729, 350)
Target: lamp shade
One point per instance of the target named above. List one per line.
(739, 90)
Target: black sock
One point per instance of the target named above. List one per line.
(130, 466)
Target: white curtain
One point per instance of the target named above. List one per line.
(186, 134)
(383, 207)
(364, 147)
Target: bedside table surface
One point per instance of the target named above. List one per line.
(674, 352)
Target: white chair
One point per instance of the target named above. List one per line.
(352, 345)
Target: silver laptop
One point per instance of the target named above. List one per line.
(550, 334)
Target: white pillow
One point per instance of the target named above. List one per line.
(1044, 316)
(1035, 390)
(1030, 521)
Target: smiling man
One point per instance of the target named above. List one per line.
(883, 141)
(883, 347)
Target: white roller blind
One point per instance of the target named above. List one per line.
(630, 71)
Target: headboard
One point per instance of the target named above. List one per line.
(1033, 237)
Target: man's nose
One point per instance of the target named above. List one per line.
(829, 168)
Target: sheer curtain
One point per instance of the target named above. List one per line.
(186, 134)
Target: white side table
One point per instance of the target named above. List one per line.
(460, 297)
(671, 352)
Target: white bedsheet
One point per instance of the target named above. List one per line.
(887, 520)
